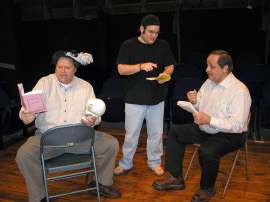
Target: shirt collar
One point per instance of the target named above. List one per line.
(73, 82)
(226, 82)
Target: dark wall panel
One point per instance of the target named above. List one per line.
(235, 30)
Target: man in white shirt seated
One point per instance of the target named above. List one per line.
(223, 105)
(65, 96)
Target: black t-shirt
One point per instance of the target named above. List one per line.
(138, 89)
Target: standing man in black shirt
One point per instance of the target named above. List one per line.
(139, 58)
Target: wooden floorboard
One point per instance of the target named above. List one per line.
(137, 184)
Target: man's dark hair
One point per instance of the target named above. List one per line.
(224, 59)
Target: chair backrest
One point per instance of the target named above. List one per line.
(244, 59)
(5, 100)
(113, 87)
(255, 73)
(266, 105)
(186, 71)
(179, 92)
(112, 94)
(115, 73)
(67, 136)
(255, 77)
(181, 87)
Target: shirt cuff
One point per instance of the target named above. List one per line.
(213, 122)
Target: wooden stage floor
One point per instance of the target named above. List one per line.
(137, 184)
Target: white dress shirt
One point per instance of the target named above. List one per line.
(228, 104)
(64, 105)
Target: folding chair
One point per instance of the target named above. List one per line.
(255, 77)
(10, 122)
(244, 59)
(185, 71)
(264, 112)
(65, 137)
(235, 161)
(112, 94)
(198, 59)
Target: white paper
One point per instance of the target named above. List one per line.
(187, 106)
(151, 78)
(163, 77)
(33, 92)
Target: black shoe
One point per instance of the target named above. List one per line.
(169, 182)
(105, 191)
(204, 195)
(43, 200)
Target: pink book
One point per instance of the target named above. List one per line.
(33, 101)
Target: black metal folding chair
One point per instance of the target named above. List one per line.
(65, 137)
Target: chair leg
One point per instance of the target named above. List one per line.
(191, 162)
(246, 163)
(230, 175)
(87, 177)
(95, 172)
(45, 179)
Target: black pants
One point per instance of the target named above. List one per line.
(213, 146)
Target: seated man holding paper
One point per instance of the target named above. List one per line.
(65, 96)
(223, 104)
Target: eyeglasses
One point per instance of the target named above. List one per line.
(152, 32)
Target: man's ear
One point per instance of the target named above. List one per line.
(141, 28)
(225, 68)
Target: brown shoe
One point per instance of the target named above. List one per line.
(169, 182)
(204, 195)
(105, 191)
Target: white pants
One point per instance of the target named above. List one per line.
(135, 115)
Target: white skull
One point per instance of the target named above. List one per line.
(95, 107)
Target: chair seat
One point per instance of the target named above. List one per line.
(67, 162)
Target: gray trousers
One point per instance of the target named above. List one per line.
(28, 159)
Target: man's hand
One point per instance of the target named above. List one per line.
(90, 120)
(201, 118)
(148, 66)
(192, 96)
(27, 116)
(161, 82)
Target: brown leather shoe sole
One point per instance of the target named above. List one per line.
(168, 187)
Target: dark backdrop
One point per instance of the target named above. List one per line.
(235, 30)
